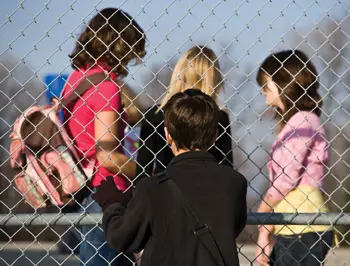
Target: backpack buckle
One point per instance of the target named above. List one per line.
(202, 229)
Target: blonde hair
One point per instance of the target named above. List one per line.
(199, 69)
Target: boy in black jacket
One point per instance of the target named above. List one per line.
(193, 212)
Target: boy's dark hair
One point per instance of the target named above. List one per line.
(113, 37)
(191, 118)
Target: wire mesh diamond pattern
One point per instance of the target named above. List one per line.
(42, 41)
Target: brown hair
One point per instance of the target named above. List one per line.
(112, 37)
(296, 79)
(192, 118)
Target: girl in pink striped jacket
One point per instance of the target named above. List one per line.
(299, 155)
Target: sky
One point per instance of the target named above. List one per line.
(42, 33)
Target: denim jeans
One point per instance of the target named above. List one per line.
(94, 250)
(308, 249)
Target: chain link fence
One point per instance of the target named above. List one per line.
(37, 36)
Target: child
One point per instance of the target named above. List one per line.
(288, 80)
(197, 68)
(190, 214)
(95, 121)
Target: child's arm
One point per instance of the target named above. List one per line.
(242, 213)
(131, 104)
(126, 225)
(222, 149)
(226, 141)
(149, 146)
(127, 229)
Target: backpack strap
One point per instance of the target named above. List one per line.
(83, 86)
(201, 230)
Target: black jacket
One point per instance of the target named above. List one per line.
(155, 154)
(155, 220)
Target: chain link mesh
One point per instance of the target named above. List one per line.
(37, 36)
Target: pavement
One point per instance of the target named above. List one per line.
(28, 253)
(46, 254)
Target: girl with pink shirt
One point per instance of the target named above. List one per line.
(96, 121)
(296, 167)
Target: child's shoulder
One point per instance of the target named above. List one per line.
(151, 181)
(304, 119)
(232, 175)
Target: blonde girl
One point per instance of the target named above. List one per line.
(198, 68)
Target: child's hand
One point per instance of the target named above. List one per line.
(107, 193)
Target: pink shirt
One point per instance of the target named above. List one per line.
(298, 155)
(80, 118)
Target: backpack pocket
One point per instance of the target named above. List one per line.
(61, 162)
(31, 192)
(16, 153)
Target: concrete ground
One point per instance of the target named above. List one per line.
(26, 253)
(46, 254)
(336, 257)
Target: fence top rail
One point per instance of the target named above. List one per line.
(254, 218)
